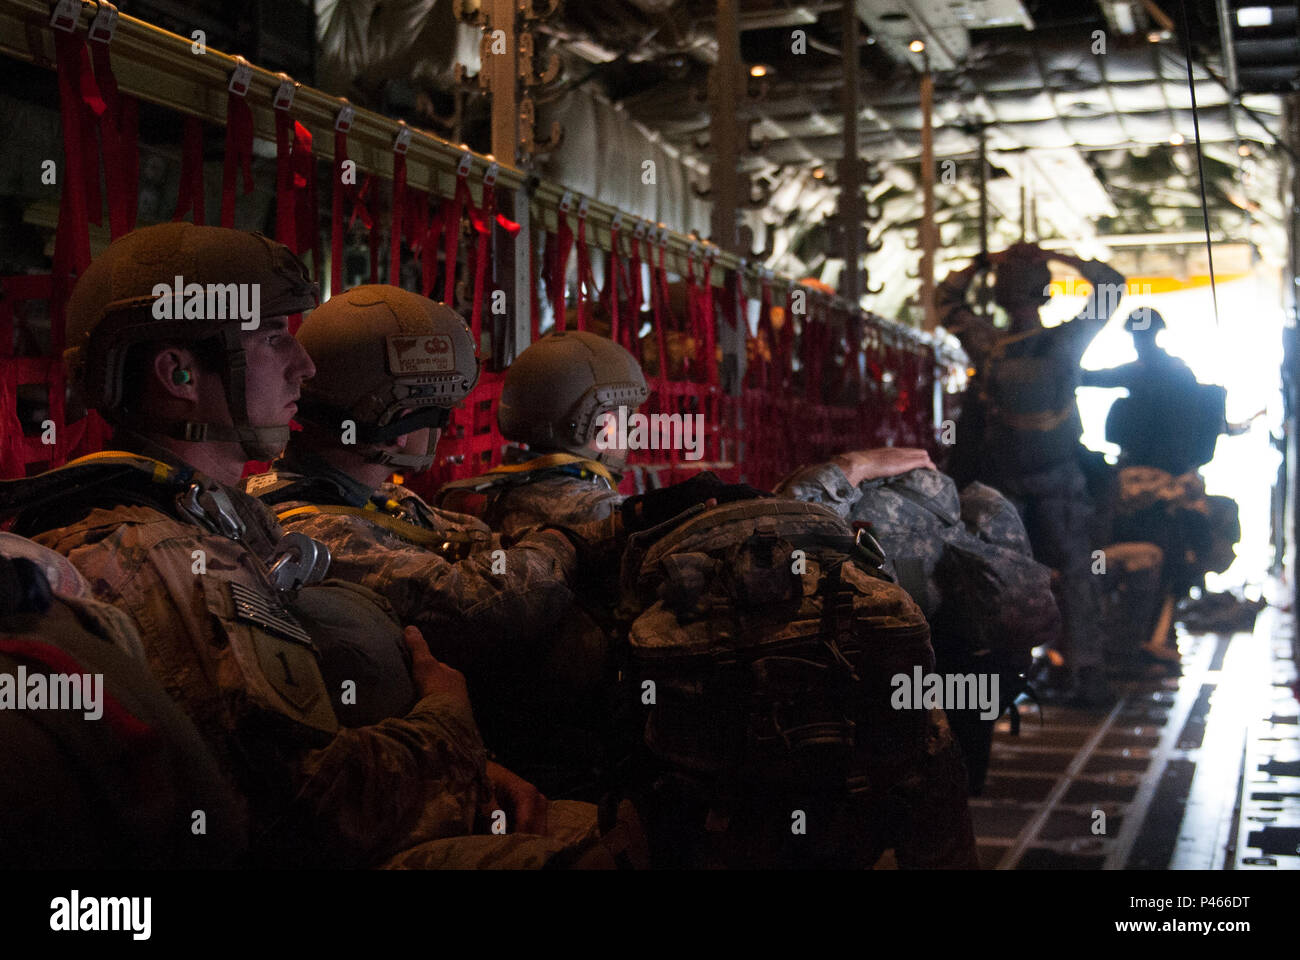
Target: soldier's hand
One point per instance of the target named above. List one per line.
(860, 465)
(429, 674)
(524, 804)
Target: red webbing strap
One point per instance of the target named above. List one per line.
(238, 153)
(636, 295)
(586, 282)
(484, 218)
(306, 217)
(120, 156)
(359, 209)
(708, 325)
(483, 226)
(614, 282)
(397, 215)
(661, 307)
(79, 103)
(692, 312)
(338, 190)
(559, 267)
(285, 223)
(190, 195)
(75, 84)
(93, 107)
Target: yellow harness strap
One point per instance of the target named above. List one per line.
(402, 528)
(161, 471)
(557, 460)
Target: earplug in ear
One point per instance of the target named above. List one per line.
(181, 376)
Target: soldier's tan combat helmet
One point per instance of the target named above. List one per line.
(118, 303)
(391, 361)
(556, 390)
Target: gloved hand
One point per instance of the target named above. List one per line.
(650, 509)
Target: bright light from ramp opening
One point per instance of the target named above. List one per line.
(1254, 17)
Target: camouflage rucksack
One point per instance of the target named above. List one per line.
(762, 642)
(967, 562)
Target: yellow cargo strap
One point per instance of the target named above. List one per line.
(395, 525)
(557, 460)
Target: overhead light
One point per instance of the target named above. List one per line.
(1254, 16)
(1156, 36)
(759, 70)
(1176, 139)
(1243, 150)
(819, 173)
(916, 46)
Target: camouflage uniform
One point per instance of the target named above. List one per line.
(1052, 497)
(117, 790)
(823, 483)
(470, 616)
(534, 664)
(568, 495)
(315, 794)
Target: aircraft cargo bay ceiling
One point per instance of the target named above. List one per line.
(1085, 108)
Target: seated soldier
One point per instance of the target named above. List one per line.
(390, 366)
(555, 472)
(234, 618)
(555, 399)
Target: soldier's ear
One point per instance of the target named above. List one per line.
(174, 372)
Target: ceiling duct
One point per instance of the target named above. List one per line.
(779, 16)
(943, 25)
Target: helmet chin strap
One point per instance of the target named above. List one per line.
(412, 461)
(258, 443)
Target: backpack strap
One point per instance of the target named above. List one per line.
(114, 478)
(514, 474)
